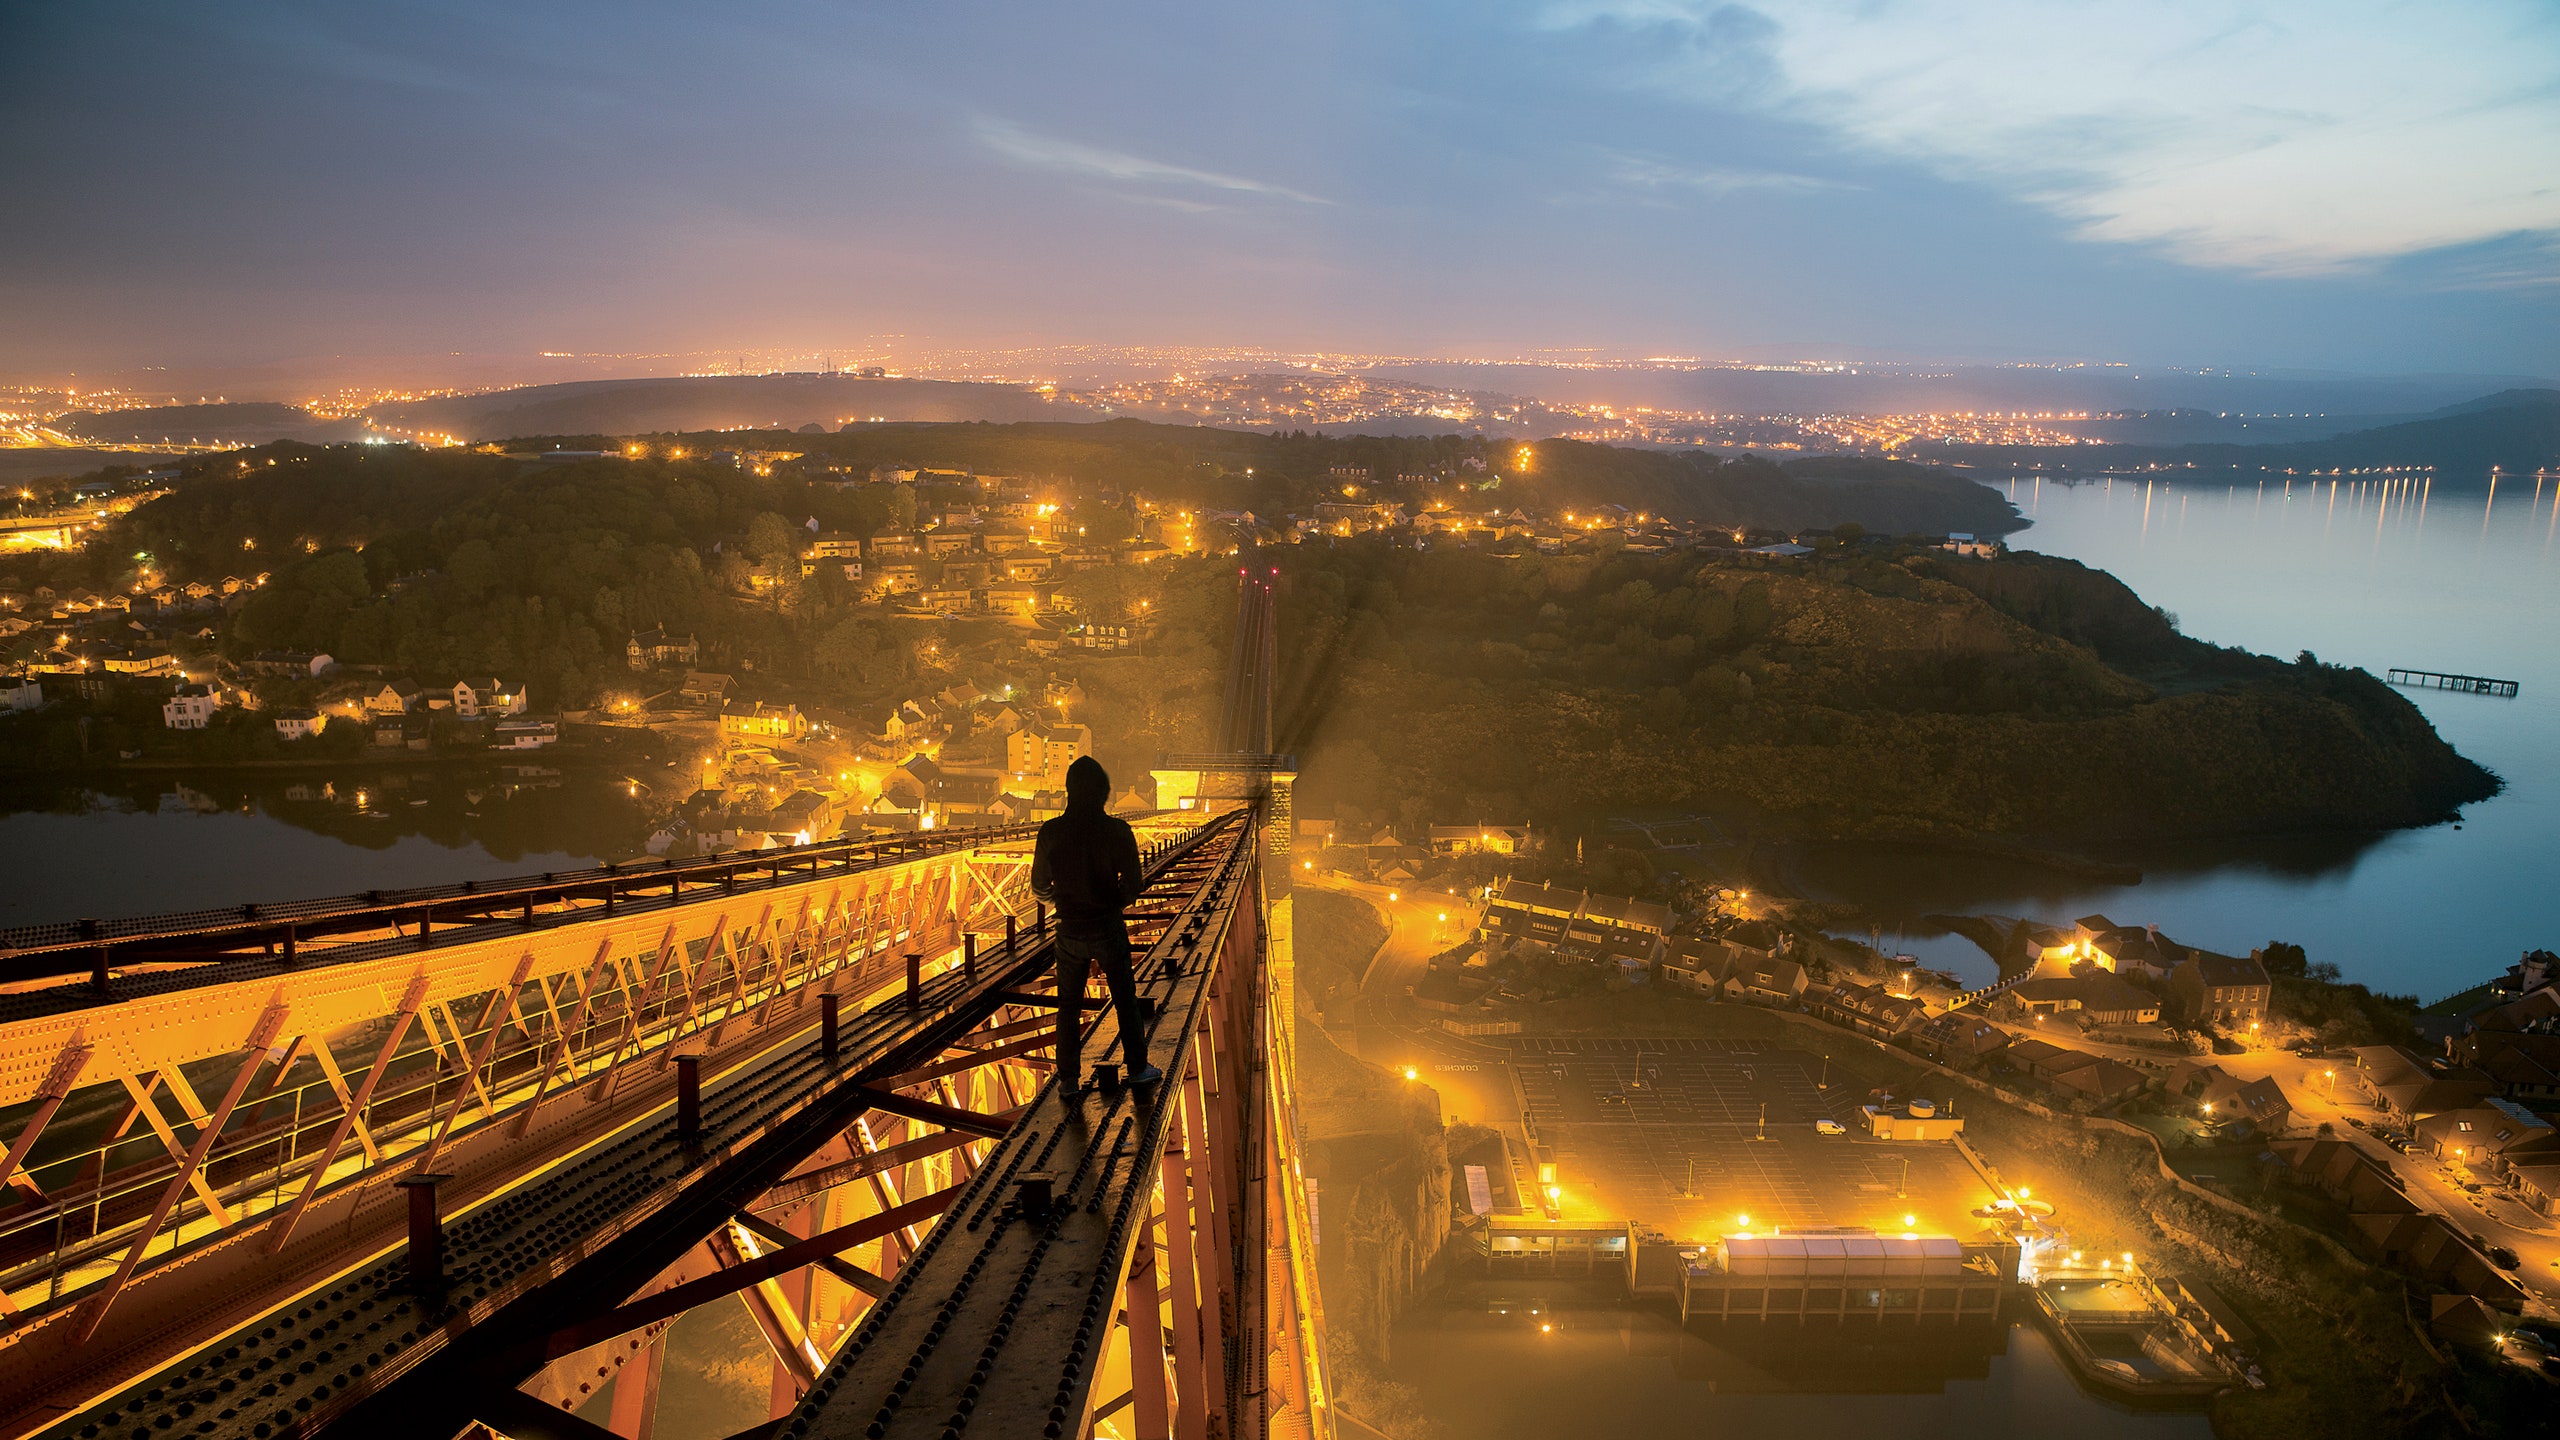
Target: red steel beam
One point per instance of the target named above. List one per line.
(685, 1297)
(986, 1127)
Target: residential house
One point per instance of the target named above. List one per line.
(141, 660)
(1770, 982)
(2342, 1171)
(1022, 600)
(2516, 1044)
(831, 545)
(2041, 1059)
(2078, 1072)
(295, 664)
(2536, 1178)
(2477, 1135)
(947, 600)
(760, 720)
(1043, 752)
(396, 697)
(1029, 569)
(1577, 921)
(2221, 990)
(298, 724)
(656, 648)
(1870, 1009)
(486, 696)
(2133, 949)
(1959, 1037)
(1480, 839)
(2102, 1080)
(968, 793)
(190, 707)
(890, 544)
(2094, 997)
(20, 692)
(2429, 1246)
(2524, 1067)
(2407, 1086)
(705, 687)
(521, 733)
(797, 819)
(1696, 962)
(914, 720)
(2217, 1094)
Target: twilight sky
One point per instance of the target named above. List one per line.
(2338, 184)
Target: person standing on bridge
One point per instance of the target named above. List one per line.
(1086, 864)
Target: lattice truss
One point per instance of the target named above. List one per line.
(165, 1148)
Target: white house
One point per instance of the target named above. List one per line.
(298, 724)
(476, 697)
(191, 708)
(524, 734)
(20, 692)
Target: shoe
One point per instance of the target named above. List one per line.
(1148, 1076)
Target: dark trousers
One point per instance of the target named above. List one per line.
(1077, 955)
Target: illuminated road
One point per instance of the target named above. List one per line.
(2499, 1217)
(1387, 1028)
(2324, 1091)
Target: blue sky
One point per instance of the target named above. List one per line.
(2338, 185)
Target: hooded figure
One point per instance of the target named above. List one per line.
(1086, 864)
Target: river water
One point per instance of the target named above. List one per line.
(2371, 574)
(144, 844)
(1529, 1361)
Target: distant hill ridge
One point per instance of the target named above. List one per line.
(720, 402)
(2514, 431)
(252, 422)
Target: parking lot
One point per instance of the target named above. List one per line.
(1671, 1133)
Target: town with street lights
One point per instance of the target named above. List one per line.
(1703, 1112)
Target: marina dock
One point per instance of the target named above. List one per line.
(2438, 680)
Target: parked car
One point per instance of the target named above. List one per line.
(2504, 1258)
(1829, 1127)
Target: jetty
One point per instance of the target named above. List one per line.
(2438, 680)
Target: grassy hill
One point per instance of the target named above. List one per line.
(245, 422)
(1889, 694)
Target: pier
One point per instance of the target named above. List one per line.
(2437, 680)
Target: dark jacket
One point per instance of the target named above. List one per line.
(1086, 860)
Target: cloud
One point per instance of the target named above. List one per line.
(1146, 180)
(2281, 137)
(1644, 172)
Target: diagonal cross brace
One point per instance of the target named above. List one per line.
(676, 1301)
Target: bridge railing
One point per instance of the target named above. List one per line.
(113, 1163)
(293, 933)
